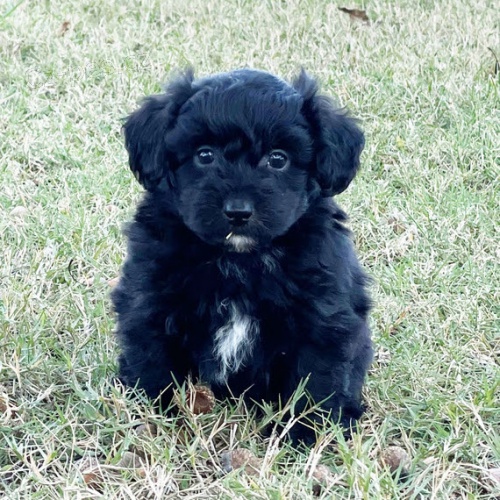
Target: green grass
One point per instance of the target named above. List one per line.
(424, 211)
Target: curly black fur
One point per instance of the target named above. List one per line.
(254, 302)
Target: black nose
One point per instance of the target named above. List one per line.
(238, 211)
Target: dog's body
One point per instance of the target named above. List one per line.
(239, 270)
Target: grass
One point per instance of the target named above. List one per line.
(424, 211)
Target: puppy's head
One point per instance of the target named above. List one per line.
(242, 155)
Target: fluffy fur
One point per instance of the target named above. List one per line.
(239, 271)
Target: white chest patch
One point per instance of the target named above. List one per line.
(234, 341)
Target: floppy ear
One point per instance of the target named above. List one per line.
(146, 129)
(338, 140)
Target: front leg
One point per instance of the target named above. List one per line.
(335, 378)
(151, 355)
(151, 363)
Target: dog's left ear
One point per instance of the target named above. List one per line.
(146, 130)
(338, 140)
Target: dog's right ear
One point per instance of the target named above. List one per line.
(146, 129)
(338, 139)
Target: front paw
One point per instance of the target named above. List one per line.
(303, 434)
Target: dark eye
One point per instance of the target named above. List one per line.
(278, 160)
(204, 156)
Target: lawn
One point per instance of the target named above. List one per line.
(423, 77)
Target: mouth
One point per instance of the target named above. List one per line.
(238, 243)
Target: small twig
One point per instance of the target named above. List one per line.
(70, 270)
(496, 70)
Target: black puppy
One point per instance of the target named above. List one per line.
(240, 272)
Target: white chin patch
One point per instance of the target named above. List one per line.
(239, 243)
(234, 342)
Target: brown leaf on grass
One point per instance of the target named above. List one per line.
(89, 468)
(356, 14)
(397, 223)
(130, 460)
(113, 282)
(134, 462)
(143, 431)
(146, 430)
(200, 399)
(395, 458)
(64, 28)
(494, 475)
(93, 480)
(238, 458)
(323, 477)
